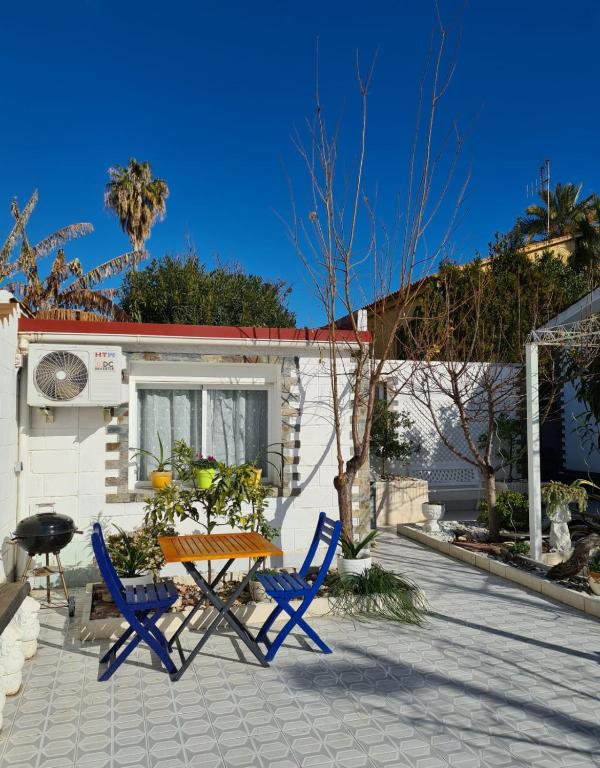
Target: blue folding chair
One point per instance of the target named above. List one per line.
(283, 587)
(141, 606)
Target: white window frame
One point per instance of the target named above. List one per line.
(204, 376)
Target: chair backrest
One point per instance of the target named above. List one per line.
(107, 569)
(328, 531)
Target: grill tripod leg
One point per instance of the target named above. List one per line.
(26, 571)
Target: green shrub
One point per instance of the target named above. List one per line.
(378, 593)
(519, 547)
(513, 509)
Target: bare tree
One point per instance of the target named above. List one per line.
(352, 259)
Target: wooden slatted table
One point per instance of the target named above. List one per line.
(194, 548)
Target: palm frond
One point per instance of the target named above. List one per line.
(18, 228)
(110, 268)
(82, 298)
(62, 236)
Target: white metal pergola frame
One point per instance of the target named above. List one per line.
(577, 326)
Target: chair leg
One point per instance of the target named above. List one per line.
(114, 648)
(266, 627)
(295, 620)
(143, 629)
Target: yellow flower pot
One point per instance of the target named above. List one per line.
(161, 479)
(205, 477)
(255, 475)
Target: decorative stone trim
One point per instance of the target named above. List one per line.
(117, 446)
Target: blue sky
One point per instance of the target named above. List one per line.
(210, 93)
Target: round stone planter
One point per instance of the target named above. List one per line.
(432, 513)
(353, 567)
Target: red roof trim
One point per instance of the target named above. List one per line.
(32, 325)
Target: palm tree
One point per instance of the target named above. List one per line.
(66, 292)
(137, 199)
(567, 212)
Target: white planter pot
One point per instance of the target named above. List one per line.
(132, 581)
(432, 514)
(353, 567)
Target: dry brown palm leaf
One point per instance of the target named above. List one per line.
(110, 268)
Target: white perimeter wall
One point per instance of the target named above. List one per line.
(8, 441)
(66, 466)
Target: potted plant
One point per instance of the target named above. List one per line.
(594, 572)
(255, 466)
(557, 497)
(129, 557)
(205, 468)
(353, 561)
(161, 476)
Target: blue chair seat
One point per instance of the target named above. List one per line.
(284, 584)
(151, 597)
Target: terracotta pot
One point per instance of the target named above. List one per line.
(594, 581)
(205, 477)
(161, 479)
(347, 567)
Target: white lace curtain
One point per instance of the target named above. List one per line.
(236, 424)
(174, 414)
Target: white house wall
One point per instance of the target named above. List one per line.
(8, 440)
(66, 466)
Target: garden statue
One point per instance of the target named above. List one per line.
(560, 538)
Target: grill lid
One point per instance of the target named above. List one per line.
(44, 524)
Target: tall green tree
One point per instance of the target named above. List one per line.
(468, 340)
(137, 198)
(180, 289)
(567, 211)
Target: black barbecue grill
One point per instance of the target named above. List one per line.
(44, 534)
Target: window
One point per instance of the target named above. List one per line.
(229, 423)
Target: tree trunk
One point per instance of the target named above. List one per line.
(490, 495)
(343, 487)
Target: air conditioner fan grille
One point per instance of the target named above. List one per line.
(61, 376)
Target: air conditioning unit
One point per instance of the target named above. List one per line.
(61, 375)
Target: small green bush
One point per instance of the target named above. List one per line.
(519, 547)
(513, 508)
(594, 561)
(378, 593)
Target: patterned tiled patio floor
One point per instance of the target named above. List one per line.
(499, 677)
